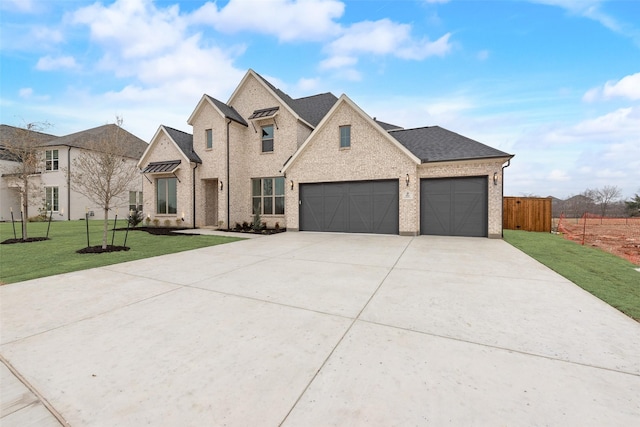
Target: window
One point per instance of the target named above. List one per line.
(267, 139)
(51, 160)
(345, 136)
(209, 138)
(167, 196)
(51, 198)
(135, 201)
(268, 196)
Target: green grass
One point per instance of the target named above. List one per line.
(24, 261)
(608, 277)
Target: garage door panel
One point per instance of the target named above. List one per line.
(454, 206)
(354, 207)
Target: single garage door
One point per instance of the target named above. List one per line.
(454, 206)
(350, 207)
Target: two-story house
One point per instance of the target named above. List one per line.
(58, 155)
(319, 163)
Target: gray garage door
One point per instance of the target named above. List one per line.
(350, 207)
(454, 207)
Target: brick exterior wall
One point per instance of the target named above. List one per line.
(472, 168)
(371, 157)
(164, 149)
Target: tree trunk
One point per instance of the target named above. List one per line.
(24, 214)
(105, 227)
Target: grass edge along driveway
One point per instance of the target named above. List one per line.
(608, 277)
(25, 261)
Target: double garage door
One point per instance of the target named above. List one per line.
(350, 207)
(448, 207)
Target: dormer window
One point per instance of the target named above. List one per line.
(267, 139)
(209, 139)
(345, 136)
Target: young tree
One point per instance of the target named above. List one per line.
(25, 146)
(605, 195)
(102, 172)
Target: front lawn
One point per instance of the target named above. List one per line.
(24, 261)
(608, 277)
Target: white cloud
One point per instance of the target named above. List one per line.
(483, 55)
(558, 175)
(591, 9)
(135, 28)
(379, 38)
(288, 20)
(29, 94)
(48, 63)
(627, 87)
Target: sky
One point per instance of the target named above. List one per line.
(555, 82)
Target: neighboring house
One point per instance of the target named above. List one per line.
(319, 163)
(58, 155)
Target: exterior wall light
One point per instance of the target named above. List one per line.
(495, 178)
(291, 184)
(407, 180)
(221, 186)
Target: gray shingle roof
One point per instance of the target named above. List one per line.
(84, 139)
(11, 133)
(185, 143)
(435, 144)
(387, 126)
(311, 108)
(228, 111)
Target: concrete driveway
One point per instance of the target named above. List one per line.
(311, 329)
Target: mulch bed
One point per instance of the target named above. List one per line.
(27, 240)
(99, 250)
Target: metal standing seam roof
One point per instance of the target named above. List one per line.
(435, 144)
(264, 113)
(162, 167)
(312, 109)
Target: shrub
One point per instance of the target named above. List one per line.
(167, 223)
(256, 224)
(136, 218)
(156, 222)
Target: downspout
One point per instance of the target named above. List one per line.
(228, 193)
(502, 200)
(194, 195)
(69, 184)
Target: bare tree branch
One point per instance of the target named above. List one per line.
(102, 174)
(26, 147)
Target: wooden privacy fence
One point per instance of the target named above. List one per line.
(526, 213)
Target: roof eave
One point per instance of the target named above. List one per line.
(459, 159)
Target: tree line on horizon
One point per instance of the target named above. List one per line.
(604, 201)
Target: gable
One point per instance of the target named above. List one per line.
(169, 144)
(345, 107)
(220, 107)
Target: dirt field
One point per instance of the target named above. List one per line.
(619, 236)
